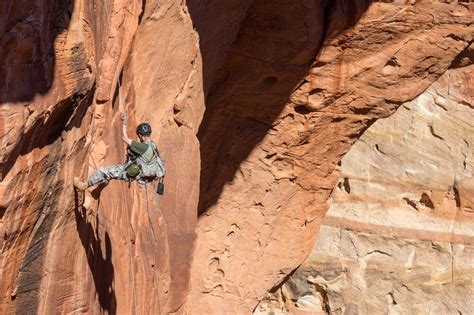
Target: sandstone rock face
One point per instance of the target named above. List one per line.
(70, 68)
(247, 90)
(55, 256)
(269, 167)
(399, 235)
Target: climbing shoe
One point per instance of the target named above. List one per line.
(80, 185)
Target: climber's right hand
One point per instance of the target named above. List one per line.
(124, 119)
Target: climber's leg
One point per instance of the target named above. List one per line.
(104, 174)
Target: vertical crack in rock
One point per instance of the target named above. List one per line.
(457, 198)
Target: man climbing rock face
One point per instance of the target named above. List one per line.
(143, 161)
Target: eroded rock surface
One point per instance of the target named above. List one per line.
(269, 164)
(262, 204)
(399, 235)
(55, 257)
(69, 68)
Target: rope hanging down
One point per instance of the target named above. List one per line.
(123, 110)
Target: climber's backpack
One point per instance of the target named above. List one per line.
(156, 167)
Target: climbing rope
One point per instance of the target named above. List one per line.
(132, 265)
(123, 110)
(148, 210)
(153, 233)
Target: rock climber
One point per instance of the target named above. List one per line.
(143, 162)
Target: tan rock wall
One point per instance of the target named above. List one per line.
(398, 237)
(269, 165)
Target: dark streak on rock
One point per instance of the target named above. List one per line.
(31, 270)
(434, 133)
(426, 201)
(457, 197)
(379, 252)
(346, 185)
(325, 305)
(411, 203)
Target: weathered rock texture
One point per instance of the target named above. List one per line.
(399, 235)
(268, 164)
(55, 258)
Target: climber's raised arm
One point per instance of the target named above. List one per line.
(125, 137)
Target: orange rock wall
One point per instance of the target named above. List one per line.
(399, 233)
(269, 163)
(240, 88)
(107, 251)
(58, 60)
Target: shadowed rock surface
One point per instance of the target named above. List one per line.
(252, 103)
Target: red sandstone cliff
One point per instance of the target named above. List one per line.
(253, 104)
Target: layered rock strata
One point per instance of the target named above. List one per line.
(399, 235)
(70, 68)
(269, 167)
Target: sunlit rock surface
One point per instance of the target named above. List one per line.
(263, 204)
(399, 235)
(252, 103)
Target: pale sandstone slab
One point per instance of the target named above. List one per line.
(398, 237)
(114, 254)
